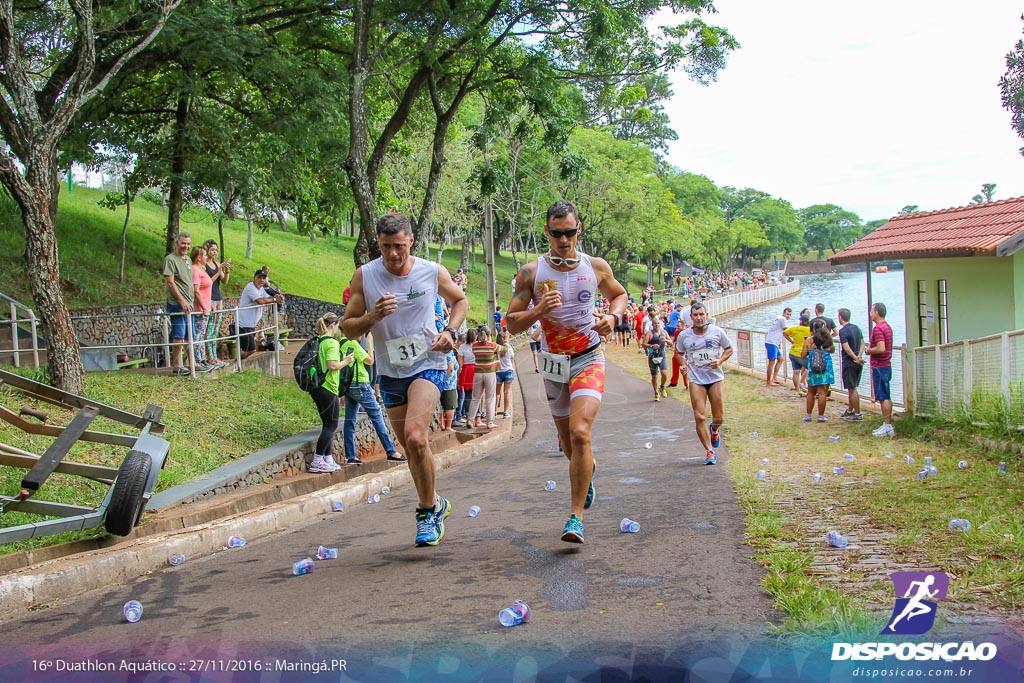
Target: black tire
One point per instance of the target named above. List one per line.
(126, 501)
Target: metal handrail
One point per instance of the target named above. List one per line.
(33, 324)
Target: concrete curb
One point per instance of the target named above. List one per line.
(62, 578)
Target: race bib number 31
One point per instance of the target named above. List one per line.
(554, 367)
(403, 352)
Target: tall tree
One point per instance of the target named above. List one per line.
(827, 226)
(1011, 87)
(55, 58)
(988, 190)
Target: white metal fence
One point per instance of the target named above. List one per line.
(950, 378)
(750, 297)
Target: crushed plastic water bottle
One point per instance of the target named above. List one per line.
(1002, 468)
(933, 470)
(550, 486)
(889, 455)
(628, 526)
(323, 553)
(959, 525)
(338, 506)
(761, 474)
(648, 445)
(764, 461)
(833, 439)
(753, 435)
(236, 542)
(515, 614)
(817, 476)
(927, 460)
(385, 490)
(907, 459)
(962, 464)
(839, 470)
(303, 566)
(923, 474)
(837, 540)
(375, 498)
(849, 457)
(175, 559)
(132, 611)
(474, 510)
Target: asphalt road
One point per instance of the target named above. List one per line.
(681, 593)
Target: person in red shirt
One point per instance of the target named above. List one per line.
(880, 351)
(639, 320)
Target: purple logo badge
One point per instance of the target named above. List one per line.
(914, 611)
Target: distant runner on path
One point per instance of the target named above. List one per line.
(394, 296)
(706, 347)
(562, 286)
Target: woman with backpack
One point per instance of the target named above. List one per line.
(325, 396)
(817, 349)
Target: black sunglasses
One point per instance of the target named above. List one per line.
(558, 234)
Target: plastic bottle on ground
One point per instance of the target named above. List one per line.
(132, 611)
(889, 455)
(837, 540)
(323, 553)
(236, 542)
(476, 453)
(839, 470)
(628, 526)
(648, 445)
(762, 474)
(933, 470)
(959, 525)
(817, 476)
(833, 439)
(962, 464)
(474, 510)
(375, 498)
(923, 474)
(1002, 468)
(385, 490)
(515, 614)
(338, 506)
(907, 459)
(849, 457)
(764, 461)
(175, 559)
(927, 460)
(550, 486)
(753, 435)
(303, 566)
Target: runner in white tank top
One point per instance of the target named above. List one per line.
(561, 286)
(394, 297)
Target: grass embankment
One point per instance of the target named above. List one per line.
(208, 423)
(893, 520)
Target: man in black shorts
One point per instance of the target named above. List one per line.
(852, 342)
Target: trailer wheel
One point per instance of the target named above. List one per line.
(126, 500)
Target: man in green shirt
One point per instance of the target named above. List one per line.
(180, 295)
(360, 393)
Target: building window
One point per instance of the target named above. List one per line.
(922, 313)
(943, 314)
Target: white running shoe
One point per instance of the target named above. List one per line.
(885, 430)
(319, 465)
(329, 462)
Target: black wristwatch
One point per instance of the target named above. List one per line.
(452, 331)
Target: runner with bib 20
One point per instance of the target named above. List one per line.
(562, 285)
(707, 348)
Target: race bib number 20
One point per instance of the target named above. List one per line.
(703, 357)
(554, 367)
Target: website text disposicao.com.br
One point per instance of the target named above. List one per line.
(900, 672)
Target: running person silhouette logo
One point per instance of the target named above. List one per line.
(914, 611)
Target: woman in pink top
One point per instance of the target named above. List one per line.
(201, 308)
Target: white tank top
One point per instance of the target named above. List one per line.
(401, 341)
(569, 328)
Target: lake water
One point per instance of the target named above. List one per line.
(839, 290)
(835, 290)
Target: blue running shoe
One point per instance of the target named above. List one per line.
(590, 492)
(444, 508)
(573, 532)
(429, 527)
(710, 459)
(716, 438)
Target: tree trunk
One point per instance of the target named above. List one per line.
(36, 194)
(282, 222)
(124, 228)
(220, 236)
(248, 239)
(176, 199)
(464, 257)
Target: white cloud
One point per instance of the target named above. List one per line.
(872, 106)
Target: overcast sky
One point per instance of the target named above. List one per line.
(869, 105)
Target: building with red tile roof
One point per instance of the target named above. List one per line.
(963, 269)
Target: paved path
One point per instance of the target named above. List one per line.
(683, 585)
